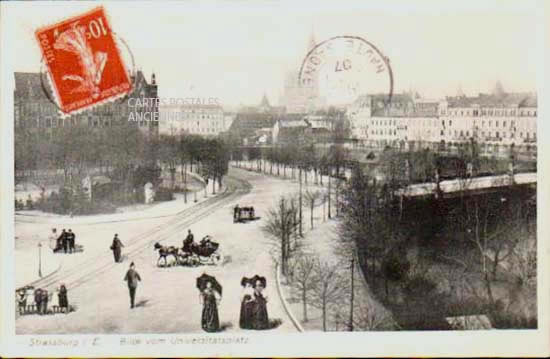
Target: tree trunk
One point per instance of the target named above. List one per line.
(337, 196)
(329, 195)
(304, 298)
(311, 213)
(300, 203)
(315, 176)
(324, 314)
(184, 169)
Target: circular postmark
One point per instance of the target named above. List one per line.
(343, 68)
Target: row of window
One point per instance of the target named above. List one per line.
(384, 132)
(202, 129)
(492, 112)
(489, 134)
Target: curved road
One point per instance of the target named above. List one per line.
(167, 298)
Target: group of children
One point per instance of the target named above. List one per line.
(32, 300)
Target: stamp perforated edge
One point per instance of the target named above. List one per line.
(53, 85)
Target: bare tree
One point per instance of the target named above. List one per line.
(367, 317)
(313, 198)
(330, 288)
(280, 225)
(303, 279)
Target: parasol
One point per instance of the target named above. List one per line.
(256, 278)
(205, 278)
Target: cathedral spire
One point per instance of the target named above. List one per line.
(265, 102)
(498, 89)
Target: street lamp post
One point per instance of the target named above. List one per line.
(40, 259)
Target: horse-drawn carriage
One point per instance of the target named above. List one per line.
(206, 252)
(244, 214)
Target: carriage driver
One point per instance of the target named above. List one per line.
(188, 242)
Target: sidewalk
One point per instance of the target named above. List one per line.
(156, 210)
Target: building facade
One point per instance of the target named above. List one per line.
(495, 121)
(204, 120)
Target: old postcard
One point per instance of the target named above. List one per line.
(274, 178)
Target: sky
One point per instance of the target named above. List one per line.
(235, 51)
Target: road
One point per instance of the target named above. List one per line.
(168, 301)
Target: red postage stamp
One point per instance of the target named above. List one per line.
(83, 61)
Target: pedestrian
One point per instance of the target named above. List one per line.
(132, 277)
(247, 304)
(64, 241)
(63, 299)
(44, 301)
(71, 239)
(38, 300)
(116, 247)
(260, 319)
(22, 300)
(52, 238)
(210, 299)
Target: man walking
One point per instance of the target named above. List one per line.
(71, 239)
(132, 277)
(116, 247)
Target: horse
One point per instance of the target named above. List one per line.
(164, 252)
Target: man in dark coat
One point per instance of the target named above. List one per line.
(71, 240)
(132, 277)
(188, 242)
(116, 247)
(64, 240)
(38, 300)
(44, 302)
(60, 244)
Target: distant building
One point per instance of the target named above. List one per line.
(204, 120)
(290, 130)
(263, 107)
(496, 121)
(297, 98)
(248, 127)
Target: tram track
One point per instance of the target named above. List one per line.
(99, 264)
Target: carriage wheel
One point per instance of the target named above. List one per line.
(216, 258)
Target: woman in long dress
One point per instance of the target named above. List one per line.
(260, 319)
(209, 299)
(247, 306)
